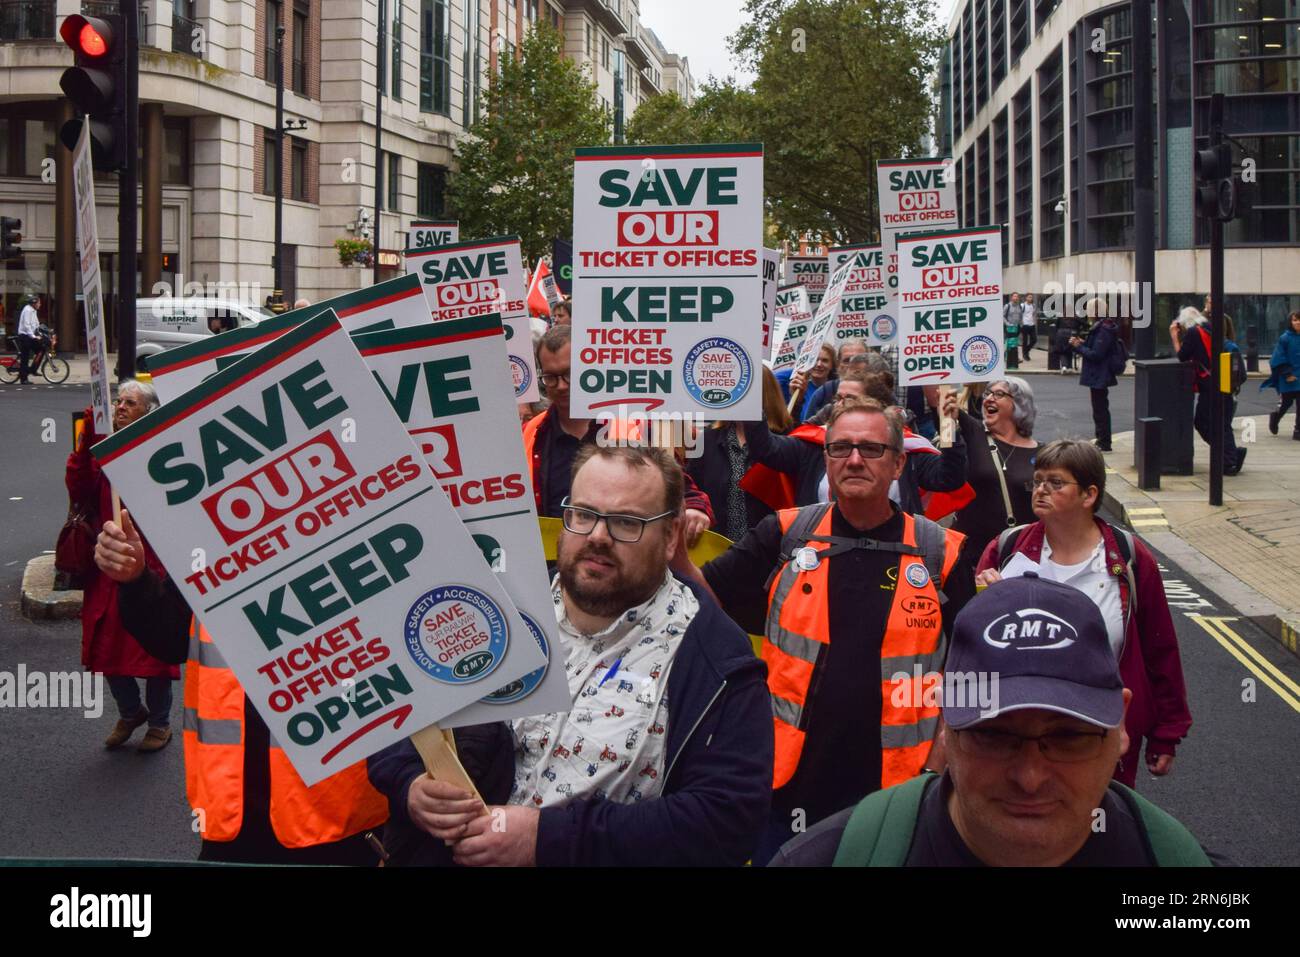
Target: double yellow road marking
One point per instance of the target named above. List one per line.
(1147, 518)
(1261, 667)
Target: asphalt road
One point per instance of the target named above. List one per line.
(63, 796)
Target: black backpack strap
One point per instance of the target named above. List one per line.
(932, 540)
(1007, 544)
(799, 534)
(1124, 542)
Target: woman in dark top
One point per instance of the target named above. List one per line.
(1008, 422)
(722, 460)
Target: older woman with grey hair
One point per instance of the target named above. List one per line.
(106, 646)
(1000, 452)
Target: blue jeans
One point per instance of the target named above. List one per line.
(157, 695)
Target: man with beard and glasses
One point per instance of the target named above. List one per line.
(666, 755)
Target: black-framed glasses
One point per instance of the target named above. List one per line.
(1061, 746)
(1000, 394)
(622, 528)
(1054, 483)
(552, 379)
(868, 450)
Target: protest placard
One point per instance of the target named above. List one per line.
(771, 264)
(298, 520)
(810, 271)
(865, 312)
(950, 297)
(478, 278)
(823, 324)
(394, 303)
(426, 234)
(92, 296)
(487, 482)
(793, 318)
(914, 195)
(668, 297)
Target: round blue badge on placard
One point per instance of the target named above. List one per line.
(917, 575)
(979, 354)
(717, 372)
(884, 327)
(523, 687)
(523, 376)
(456, 634)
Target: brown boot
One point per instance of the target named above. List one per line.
(155, 739)
(124, 728)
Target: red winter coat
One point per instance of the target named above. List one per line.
(106, 646)
(1150, 665)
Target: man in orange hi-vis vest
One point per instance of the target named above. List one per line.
(855, 600)
(249, 803)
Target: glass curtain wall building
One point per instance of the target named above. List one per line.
(1036, 108)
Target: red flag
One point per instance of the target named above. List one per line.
(537, 301)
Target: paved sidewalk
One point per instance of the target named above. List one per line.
(1248, 549)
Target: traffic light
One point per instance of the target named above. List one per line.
(1216, 191)
(10, 237)
(96, 85)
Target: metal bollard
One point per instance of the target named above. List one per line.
(1147, 453)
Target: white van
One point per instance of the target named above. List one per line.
(162, 323)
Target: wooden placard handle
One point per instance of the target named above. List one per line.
(437, 749)
(947, 426)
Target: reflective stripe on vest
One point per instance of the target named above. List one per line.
(798, 632)
(213, 731)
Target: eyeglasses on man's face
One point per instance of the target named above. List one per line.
(552, 379)
(1064, 746)
(622, 528)
(868, 450)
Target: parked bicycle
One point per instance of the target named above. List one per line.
(44, 361)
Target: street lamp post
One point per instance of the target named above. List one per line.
(277, 293)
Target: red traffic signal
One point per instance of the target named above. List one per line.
(87, 36)
(96, 86)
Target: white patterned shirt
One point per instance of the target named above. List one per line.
(613, 744)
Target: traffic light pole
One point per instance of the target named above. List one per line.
(1216, 397)
(1144, 194)
(380, 172)
(277, 294)
(127, 197)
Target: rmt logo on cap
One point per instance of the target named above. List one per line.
(1030, 629)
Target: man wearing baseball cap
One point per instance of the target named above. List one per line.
(1030, 756)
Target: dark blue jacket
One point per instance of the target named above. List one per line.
(1096, 351)
(1285, 362)
(717, 787)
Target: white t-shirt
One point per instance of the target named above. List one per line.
(1091, 577)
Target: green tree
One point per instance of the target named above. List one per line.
(515, 166)
(720, 113)
(840, 84)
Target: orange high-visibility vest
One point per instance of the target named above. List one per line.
(798, 632)
(340, 806)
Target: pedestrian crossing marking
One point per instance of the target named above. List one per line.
(1226, 636)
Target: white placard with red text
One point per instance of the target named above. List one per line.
(950, 298)
(667, 280)
(478, 278)
(301, 524)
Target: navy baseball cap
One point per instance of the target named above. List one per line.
(1048, 646)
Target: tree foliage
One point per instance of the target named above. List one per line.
(720, 113)
(515, 172)
(840, 84)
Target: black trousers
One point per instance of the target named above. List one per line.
(27, 346)
(1288, 399)
(1028, 339)
(1101, 416)
(1203, 420)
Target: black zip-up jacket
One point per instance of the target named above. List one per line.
(717, 786)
